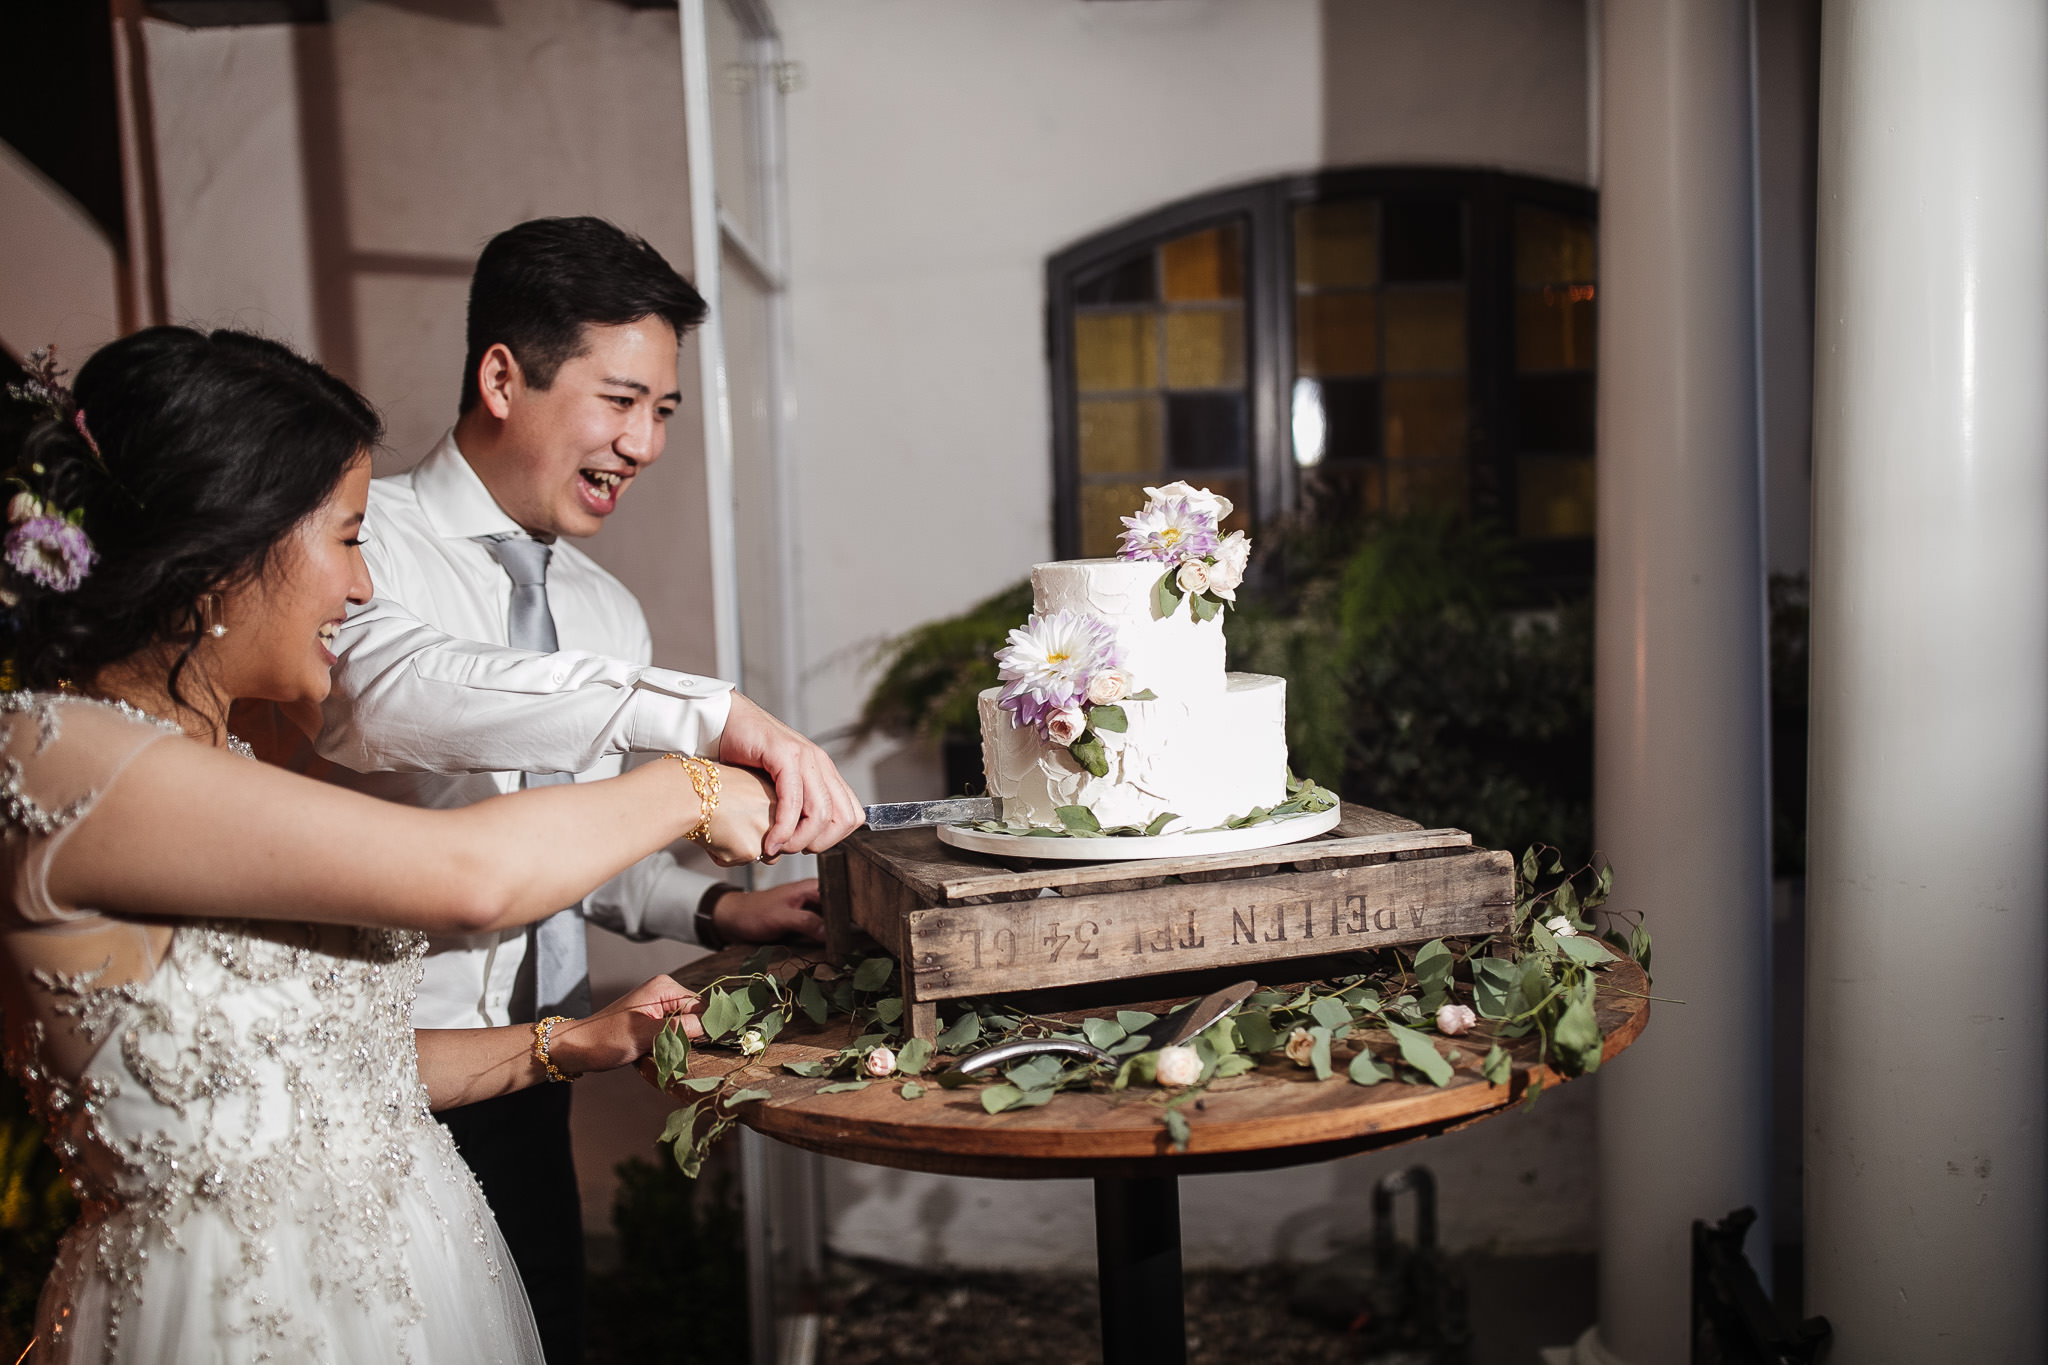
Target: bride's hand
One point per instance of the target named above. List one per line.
(746, 809)
(623, 1032)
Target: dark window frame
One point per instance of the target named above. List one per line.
(1266, 208)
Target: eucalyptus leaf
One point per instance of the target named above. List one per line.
(1577, 1035)
(1420, 1053)
(914, 1055)
(911, 1090)
(811, 1000)
(807, 1068)
(1530, 867)
(1110, 718)
(873, 974)
(1034, 1073)
(680, 1122)
(1319, 1057)
(838, 1086)
(1587, 950)
(1103, 1033)
(1089, 753)
(1498, 1066)
(759, 959)
(1330, 1013)
(1204, 606)
(889, 1009)
(1165, 595)
(1079, 818)
(962, 1035)
(997, 1098)
(1236, 1064)
(1494, 985)
(700, 1084)
(1177, 1131)
(1433, 964)
(1132, 1021)
(1255, 1030)
(1638, 942)
(1367, 1069)
(671, 1054)
(1159, 824)
(1147, 695)
(770, 1025)
(746, 1096)
(721, 1013)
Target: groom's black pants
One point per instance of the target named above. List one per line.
(518, 1145)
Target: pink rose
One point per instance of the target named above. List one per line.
(1228, 571)
(1108, 687)
(1065, 726)
(1193, 576)
(879, 1063)
(1453, 1020)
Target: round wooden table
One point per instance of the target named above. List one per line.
(1276, 1115)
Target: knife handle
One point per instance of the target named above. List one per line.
(1003, 1053)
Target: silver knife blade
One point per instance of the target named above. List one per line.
(911, 814)
(1188, 1024)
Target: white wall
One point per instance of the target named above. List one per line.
(60, 282)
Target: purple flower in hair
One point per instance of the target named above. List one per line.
(51, 551)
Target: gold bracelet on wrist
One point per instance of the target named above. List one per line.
(543, 1033)
(704, 778)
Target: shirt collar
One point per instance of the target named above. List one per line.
(455, 499)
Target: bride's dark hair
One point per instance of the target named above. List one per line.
(211, 448)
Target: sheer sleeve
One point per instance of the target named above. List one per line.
(56, 758)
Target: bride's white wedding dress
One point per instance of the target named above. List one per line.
(238, 1105)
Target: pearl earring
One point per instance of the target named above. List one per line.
(209, 615)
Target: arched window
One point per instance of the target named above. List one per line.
(1350, 343)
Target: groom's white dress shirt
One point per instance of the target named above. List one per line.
(431, 707)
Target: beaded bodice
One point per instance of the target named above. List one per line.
(256, 1073)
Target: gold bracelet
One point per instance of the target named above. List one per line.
(704, 778)
(543, 1032)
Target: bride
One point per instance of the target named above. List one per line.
(206, 963)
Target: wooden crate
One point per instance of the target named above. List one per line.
(966, 924)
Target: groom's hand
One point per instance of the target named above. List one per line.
(814, 808)
(770, 916)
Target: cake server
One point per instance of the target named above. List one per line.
(1169, 1030)
(911, 814)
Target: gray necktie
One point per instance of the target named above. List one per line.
(555, 978)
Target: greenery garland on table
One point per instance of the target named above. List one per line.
(1540, 978)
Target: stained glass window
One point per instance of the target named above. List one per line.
(1349, 345)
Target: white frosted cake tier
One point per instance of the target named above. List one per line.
(1175, 656)
(1204, 757)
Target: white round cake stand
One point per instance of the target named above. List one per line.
(1287, 829)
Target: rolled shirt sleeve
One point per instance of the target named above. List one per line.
(410, 698)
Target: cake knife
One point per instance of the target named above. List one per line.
(911, 814)
(1167, 1031)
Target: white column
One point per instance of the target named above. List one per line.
(1927, 894)
(1681, 798)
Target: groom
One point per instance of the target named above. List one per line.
(498, 655)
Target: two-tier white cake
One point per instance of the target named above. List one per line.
(1115, 697)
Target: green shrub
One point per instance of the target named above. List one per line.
(36, 1206)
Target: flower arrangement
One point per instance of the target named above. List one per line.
(45, 543)
(1179, 526)
(1061, 676)
(1527, 995)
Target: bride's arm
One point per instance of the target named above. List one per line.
(193, 831)
(464, 1065)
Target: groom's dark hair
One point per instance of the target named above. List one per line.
(538, 285)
